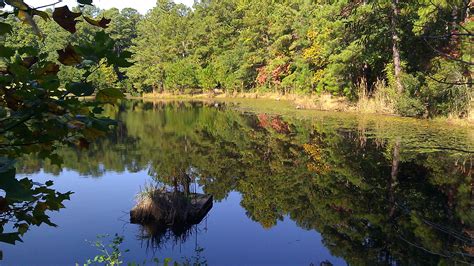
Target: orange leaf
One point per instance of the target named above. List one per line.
(42, 14)
(28, 19)
(103, 23)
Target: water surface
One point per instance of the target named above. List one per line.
(289, 188)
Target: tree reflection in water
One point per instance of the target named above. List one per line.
(380, 191)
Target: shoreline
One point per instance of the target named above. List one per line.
(323, 102)
(320, 103)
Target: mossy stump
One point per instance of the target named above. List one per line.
(171, 208)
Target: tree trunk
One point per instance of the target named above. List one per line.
(396, 46)
(453, 28)
(163, 77)
(393, 181)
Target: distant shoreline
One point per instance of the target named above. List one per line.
(323, 102)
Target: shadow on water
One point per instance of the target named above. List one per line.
(379, 191)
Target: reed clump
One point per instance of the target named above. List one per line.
(169, 208)
(379, 100)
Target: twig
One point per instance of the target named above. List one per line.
(450, 83)
(48, 5)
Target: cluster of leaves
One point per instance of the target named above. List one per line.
(39, 112)
(118, 25)
(110, 254)
(25, 203)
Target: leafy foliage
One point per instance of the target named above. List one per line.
(39, 111)
(111, 254)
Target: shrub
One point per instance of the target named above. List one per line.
(409, 106)
(447, 91)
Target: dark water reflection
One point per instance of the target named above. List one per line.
(287, 191)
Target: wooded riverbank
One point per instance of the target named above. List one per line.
(411, 58)
(321, 102)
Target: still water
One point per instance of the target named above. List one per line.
(288, 190)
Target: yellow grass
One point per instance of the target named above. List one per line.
(324, 102)
(380, 102)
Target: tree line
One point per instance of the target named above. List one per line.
(420, 50)
(417, 54)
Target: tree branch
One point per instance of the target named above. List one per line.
(48, 5)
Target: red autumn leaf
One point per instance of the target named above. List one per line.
(65, 18)
(103, 23)
(68, 56)
(262, 75)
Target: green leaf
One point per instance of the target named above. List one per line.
(49, 83)
(5, 28)
(80, 88)
(10, 238)
(29, 50)
(103, 23)
(42, 14)
(120, 61)
(16, 190)
(23, 228)
(109, 95)
(18, 71)
(6, 51)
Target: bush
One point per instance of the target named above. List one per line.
(409, 106)
(447, 91)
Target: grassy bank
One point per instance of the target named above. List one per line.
(378, 104)
(323, 102)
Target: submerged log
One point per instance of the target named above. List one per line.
(171, 209)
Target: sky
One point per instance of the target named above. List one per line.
(141, 5)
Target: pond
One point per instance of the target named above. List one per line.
(289, 188)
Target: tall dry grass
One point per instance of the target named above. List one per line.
(380, 100)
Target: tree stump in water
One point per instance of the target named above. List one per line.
(171, 209)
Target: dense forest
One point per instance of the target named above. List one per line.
(413, 57)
